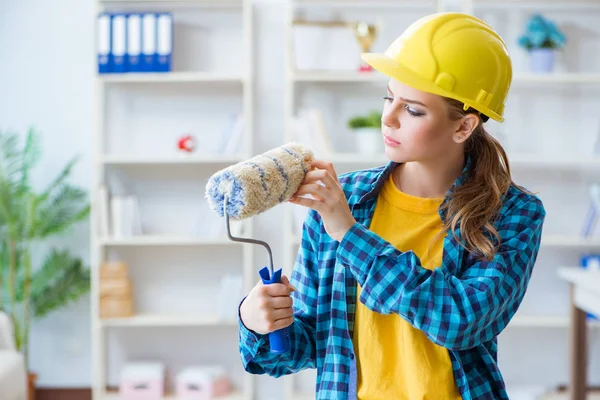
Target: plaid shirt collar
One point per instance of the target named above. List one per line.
(387, 171)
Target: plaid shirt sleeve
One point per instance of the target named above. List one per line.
(254, 348)
(456, 312)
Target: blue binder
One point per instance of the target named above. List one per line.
(164, 42)
(119, 43)
(134, 42)
(149, 42)
(104, 43)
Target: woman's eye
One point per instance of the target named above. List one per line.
(388, 98)
(413, 112)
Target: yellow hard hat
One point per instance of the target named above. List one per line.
(454, 55)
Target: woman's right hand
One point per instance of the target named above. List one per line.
(268, 308)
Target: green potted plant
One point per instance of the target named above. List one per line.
(367, 132)
(541, 39)
(28, 217)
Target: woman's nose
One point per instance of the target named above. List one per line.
(390, 119)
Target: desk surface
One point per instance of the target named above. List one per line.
(581, 277)
(586, 285)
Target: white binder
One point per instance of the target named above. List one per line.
(165, 42)
(149, 42)
(134, 42)
(119, 44)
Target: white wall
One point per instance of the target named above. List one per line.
(46, 80)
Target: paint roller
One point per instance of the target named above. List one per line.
(254, 186)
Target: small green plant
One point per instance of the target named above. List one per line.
(371, 120)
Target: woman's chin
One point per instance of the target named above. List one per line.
(394, 154)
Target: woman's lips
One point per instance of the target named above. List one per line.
(390, 142)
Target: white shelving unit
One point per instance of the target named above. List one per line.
(167, 240)
(357, 82)
(114, 112)
(234, 396)
(157, 320)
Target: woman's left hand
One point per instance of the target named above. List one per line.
(328, 200)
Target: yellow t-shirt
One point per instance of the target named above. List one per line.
(394, 359)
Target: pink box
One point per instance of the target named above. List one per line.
(202, 384)
(141, 389)
(142, 381)
(196, 391)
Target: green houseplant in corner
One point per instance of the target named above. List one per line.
(27, 218)
(367, 132)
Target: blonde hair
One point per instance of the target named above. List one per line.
(476, 203)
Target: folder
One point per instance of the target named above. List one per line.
(148, 42)
(134, 42)
(119, 43)
(104, 43)
(164, 42)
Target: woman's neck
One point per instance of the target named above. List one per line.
(428, 179)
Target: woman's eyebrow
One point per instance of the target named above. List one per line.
(405, 100)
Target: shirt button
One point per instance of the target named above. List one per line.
(352, 356)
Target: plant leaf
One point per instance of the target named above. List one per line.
(65, 207)
(62, 279)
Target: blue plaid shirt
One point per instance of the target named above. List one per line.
(462, 306)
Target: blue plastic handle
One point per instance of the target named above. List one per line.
(279, 340)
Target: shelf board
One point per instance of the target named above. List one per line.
(574, 242)
(167, 240)
(545, 322)
(171, 77)
(211, 4)
(374, 4)
(376, 77)
(303, 396)
(553, 78)
(129, 160)
(233, 396)
(537, 4)
(338, 76)
(553, 162)
(156, 320)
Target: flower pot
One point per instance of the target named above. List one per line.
(542, 60)
(369, 140)
(31, 380)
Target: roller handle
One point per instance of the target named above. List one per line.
(280, 339)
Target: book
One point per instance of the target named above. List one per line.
(125, 216)
(590, 225)
(309, 129)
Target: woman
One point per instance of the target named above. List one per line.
(407, 273)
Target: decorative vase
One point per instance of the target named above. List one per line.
(542, 60)
(369, 140)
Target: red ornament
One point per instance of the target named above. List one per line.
(186, 143)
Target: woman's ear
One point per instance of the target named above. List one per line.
(467, 125)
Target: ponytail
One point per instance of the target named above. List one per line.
(474, 205)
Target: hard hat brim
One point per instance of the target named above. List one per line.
(391, 68)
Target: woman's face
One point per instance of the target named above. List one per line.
(415, 125)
